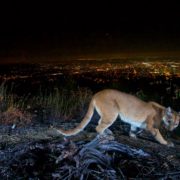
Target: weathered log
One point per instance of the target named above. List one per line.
(79, 158)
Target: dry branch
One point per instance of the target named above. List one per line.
(101, 158)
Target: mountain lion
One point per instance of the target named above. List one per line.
(111, 103)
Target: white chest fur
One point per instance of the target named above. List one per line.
(134, 122)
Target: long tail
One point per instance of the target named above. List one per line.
(83, 123)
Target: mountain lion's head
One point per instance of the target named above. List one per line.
(171, 119)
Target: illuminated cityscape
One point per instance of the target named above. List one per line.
(113, 68)
(160, 77)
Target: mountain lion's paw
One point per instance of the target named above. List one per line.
(170, 144)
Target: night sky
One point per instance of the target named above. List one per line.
(75, 29)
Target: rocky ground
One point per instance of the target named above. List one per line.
(39, 152)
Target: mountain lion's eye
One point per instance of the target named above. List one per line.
(169, 121)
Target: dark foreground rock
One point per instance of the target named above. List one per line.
(89, 157)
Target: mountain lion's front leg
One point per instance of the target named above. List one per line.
(157, 135)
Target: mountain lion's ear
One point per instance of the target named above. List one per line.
(169, 110)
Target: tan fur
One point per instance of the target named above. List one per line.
(111, 103)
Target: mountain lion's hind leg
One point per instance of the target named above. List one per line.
(102, 127)
(132, 132)
(104, 123)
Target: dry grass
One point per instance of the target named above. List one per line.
(63, 103)
(57, 104)
(15, 116)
